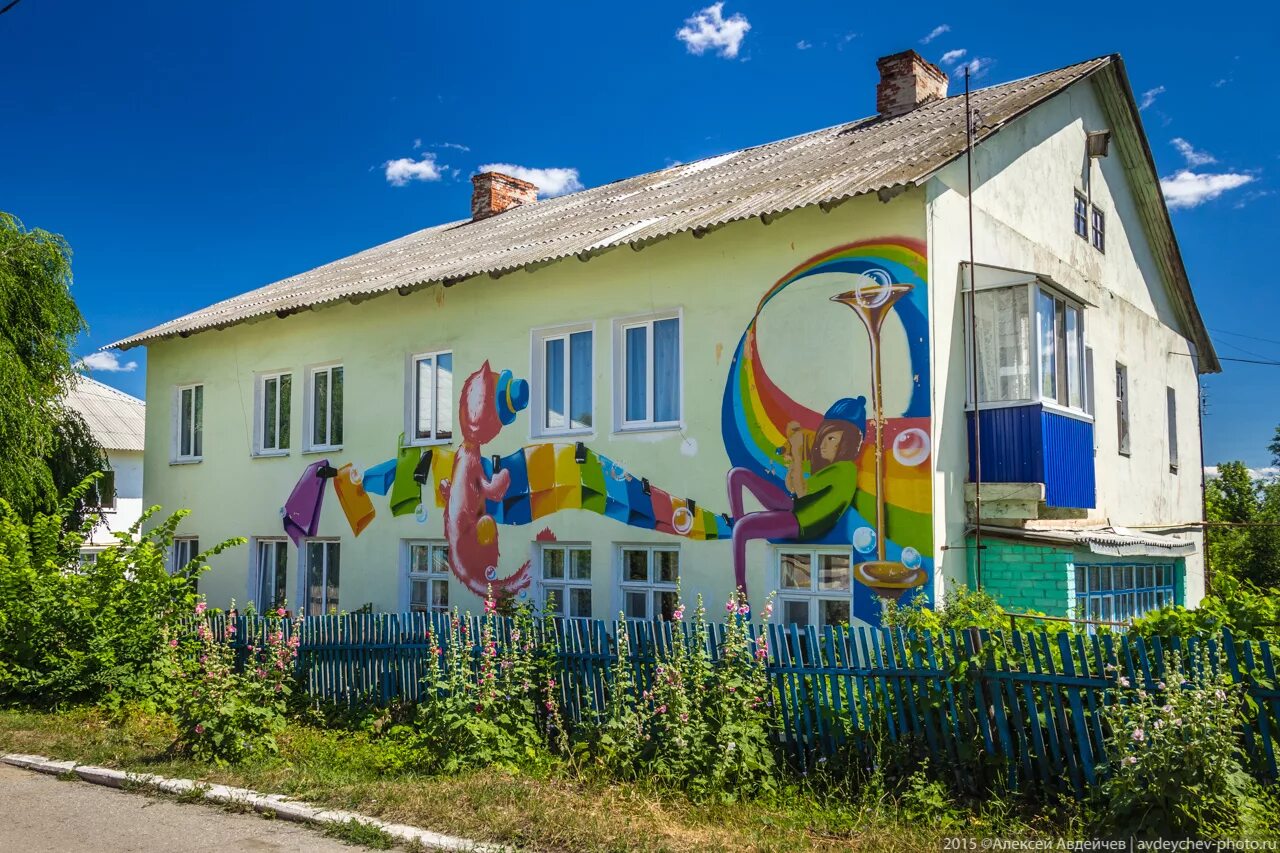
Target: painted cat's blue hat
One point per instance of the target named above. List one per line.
(513, 396)
(850, 409)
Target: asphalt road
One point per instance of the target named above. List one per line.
(43, 814)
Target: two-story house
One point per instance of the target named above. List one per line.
(753, 370)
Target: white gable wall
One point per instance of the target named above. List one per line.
(1026, 176)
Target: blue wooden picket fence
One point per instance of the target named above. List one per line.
(1031, 700)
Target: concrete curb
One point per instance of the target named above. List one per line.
(276, 805)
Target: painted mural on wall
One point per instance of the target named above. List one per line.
(849, 473)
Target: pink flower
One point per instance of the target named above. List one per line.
(199, 729)
(173, 644)
(1139, 735)
(678, 614)
(201, 607)
(1129, 759)
(280, 611)
(729, 606)
(661, 709)
(261, 673)
(768, 610)
(1124, 682)
(684, 718)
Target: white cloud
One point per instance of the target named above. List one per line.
(1186, 188)
(709, 29)
(402, 171)
(1149, 97)
(978, 66)
(417, 143)
(953, 56)
(550, 182)
(454, 145)
(803, 45)
(1270, 473)
(1191, 155)
(107, 362)
(935, 32)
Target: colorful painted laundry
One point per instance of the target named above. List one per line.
(302, 509)
(406, 492)
(378, 479)
(354, 499)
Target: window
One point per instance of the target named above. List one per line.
(273, 402)
(1171, 406)
(428, 569)
(103, 494)
(566, 575)
(431, 398)
(1122, 409)
(815, 587)
(184, 551)
(1030, 345)
(649, 361)
(189, 424)
(562, 370)
(649, 577)
(273, 569)
(1082, 217)
(1119, 593)
(1099, 229)
(322, 577)
(325, 408)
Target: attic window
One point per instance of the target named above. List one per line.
(1099, 229)
(1082, 217)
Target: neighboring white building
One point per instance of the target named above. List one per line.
(118, 421)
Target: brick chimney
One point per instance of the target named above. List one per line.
(907, 80)
(494, 192)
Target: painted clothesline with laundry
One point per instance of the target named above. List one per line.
(545, 479)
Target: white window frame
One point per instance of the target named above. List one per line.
(565, 585)
(538, 362)
(411, 399)
(184, 550)
(814, 594)
(1098, 228)
(259, 411)
(650, 586)
(429, 577)
(620, 327)
(1035, 288)
(276, 543)
(309, 407)
(304, 576)
(1124, 426)
(196, 428)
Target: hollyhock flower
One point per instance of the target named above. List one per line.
(730, 606)
(199, 729)
(201, 608)
(678, 614)
(661, 709)
(1124, 682)
(173, 644)
(768, 610)
(1129, 759)
(280, 611)
(1139, 735)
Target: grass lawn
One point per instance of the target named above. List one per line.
(555, 812)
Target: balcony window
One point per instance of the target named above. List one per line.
(1030, 341)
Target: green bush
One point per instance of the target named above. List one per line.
(84, 633)
(1174, 762)
(962, 608)
(226, 713)
(1245, 610)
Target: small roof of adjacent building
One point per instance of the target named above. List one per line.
(878, 154)
(116, 419)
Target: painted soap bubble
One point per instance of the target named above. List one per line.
(864, 540)
(420, 513)
(911, 558)
(491, 572)
(911, 446)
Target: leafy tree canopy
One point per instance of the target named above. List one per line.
(45, 447)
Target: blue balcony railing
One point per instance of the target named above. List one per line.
(1034, 444)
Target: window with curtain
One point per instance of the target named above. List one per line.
(566, 579)
(429, 577)
(325, 391)
(563, 380)
(650, 373)
(274, 390)
(431, 398)
(323, 562)
(650, 574)
(273, 567)
(1030, 347)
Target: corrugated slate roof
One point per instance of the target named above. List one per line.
(822, 167)
(117, 420)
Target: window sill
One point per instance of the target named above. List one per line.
(192, 460)
(428, 442)
(315, 450)
(574, 433)
(269, 454)
(639, 428)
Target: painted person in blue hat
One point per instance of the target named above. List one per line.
(810, 506)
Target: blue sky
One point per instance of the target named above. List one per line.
(191, 152)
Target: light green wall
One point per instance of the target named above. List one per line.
(715, 282)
